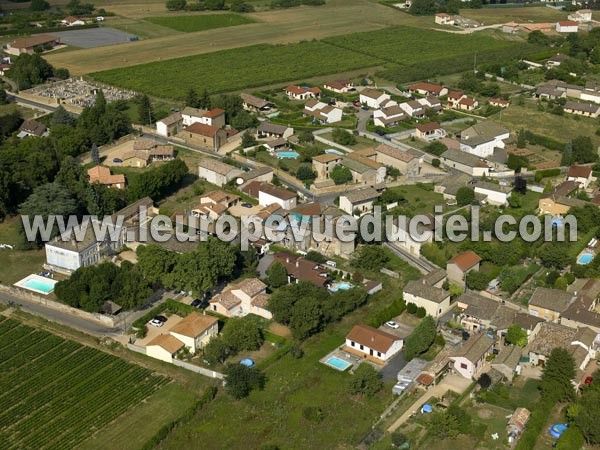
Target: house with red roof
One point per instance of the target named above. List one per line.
(458, 267)
(302, 92)
(582, 175)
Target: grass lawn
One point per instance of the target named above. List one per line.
(361, 142)
(147, 418)
(191, 23)
(561, 128)
(489, 16)
(12, 107)
(17, 264)
(419, 199)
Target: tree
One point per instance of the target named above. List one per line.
(30, 70)
(242, 333)
(365, 381)
(572, 438)
(484, 381)
(248, 140)
(343, 137)
(191, 98)
(243, 120)
(588, 407)
(76, 8)
(145, 113)
(306, 137)
(516, 162)
(241, 7)
(62, 117)
(580, 150)
(315, 256)
(39, 5)
(557, 375)
(554, 255)
(516, 335)
(443, 425)
(371, 257)
(278, 275)
(420, 339)
(307, 317)
(398, 439)
(340, 174)
(204, 100)
(305, 173)
(436, 148)
(514, 200)
(465, 196)
(216, 351)
(176, 5)
(423, 7)
(476, 280)
(241, 380)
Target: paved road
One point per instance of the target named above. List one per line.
(78, 323)
(390, 371)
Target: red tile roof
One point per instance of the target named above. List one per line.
(372, 337)
(202, 129)
(466, 260)
(579, 171)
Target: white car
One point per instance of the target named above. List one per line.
(156, 322)
(100, 19)
(392, 324)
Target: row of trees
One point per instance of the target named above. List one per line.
(238, 334)
(31, 70)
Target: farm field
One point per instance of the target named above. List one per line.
(273, 27)
(489, 16)
(17, 263)
(191, 23)
(56, 393)
(240, 68)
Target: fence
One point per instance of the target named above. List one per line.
(24, 295)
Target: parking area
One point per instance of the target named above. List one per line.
(403, 330)
(239, 210)
(93, 37)
(153, 331)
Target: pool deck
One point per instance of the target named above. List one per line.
(585, 251)
(344, 356)
(22, 283)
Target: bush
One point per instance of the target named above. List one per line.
(421, 312)
(411, 308)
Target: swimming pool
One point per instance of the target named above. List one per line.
(337, 363)
(288, 155)
(343, 286)
(585, 258)
(37, 284)
(333, 151)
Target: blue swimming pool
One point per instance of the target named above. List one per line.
(37, 284)
(288, 155)
(340, 287)
(337, 363)
(585, 258)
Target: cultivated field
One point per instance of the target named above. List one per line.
(272, 27)
(489, 16)
(55, 393)
(261, 65)
(189, 24)
(240, 68)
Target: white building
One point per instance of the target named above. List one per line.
(582, 175)
(433, 298)
(215, 117)
(372, 344)
(389, 116)
(481, 139)
(217, 172)
(322, 112)
(567, 26)
(495, 193)
(246, 297)
(170, 125)
(374, 98)
(360, 200)
(582, 15)
(164, 347)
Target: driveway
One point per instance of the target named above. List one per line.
(263, 265)
(153, 331)
(390, 371)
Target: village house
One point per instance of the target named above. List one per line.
(547, 337)
(4, 68)
(102, 175)
(31, 127)
(72, 21)
(476, 311)
(467, 104)
(195, 330)
(413, 109)
(582, 175)
(557, 202)
(339, 86)
(407, 163)
(431, 103)
(322, 112)
(272, 130)
(359, 200)
(430, 131)
(215, 117)
(170, 125)
(324, 164)
(375, 99)
(268, 194)
(581, 15)
(422, 293)
(260, 174)
(458, 267)
(449, 186)
(302, 92)
(507, 361)
(499, 102)
(453, 98)
(548, 304)
(372, 344)
(364, 170)
(510, 27)
(444, 19)
(582, 109)
(482, 138)
(464, 162)
(205, 136)
(389, 116)
(302, 269)
(246, 297)
(427, 89)
(543, 27)
(567, 26)
(582, 312)
(556, 60)
(470, 358)
(164, 347)
(217, 172)
(255, 104)
(495, 194)
(276, 145)
(213, 204)
(162, 153)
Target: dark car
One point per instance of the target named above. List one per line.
(380, 132)
(198, 303)
(366, 108)
(465, 335)
(247, 205)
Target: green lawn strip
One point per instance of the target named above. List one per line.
(192, 23)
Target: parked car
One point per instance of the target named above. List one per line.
(156, 323)
(357, 104)
(162, 319)
(380, 132)
(392, 324)
(198, 303)
(247, 205)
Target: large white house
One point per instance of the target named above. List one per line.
(246, 297)
(567, 26)
(322, 112)
(372, 344)
(481, 139)
(428, 293)
(375, 99)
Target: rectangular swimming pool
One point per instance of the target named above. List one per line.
(38, 284)
(337, 363)
(585, 258)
